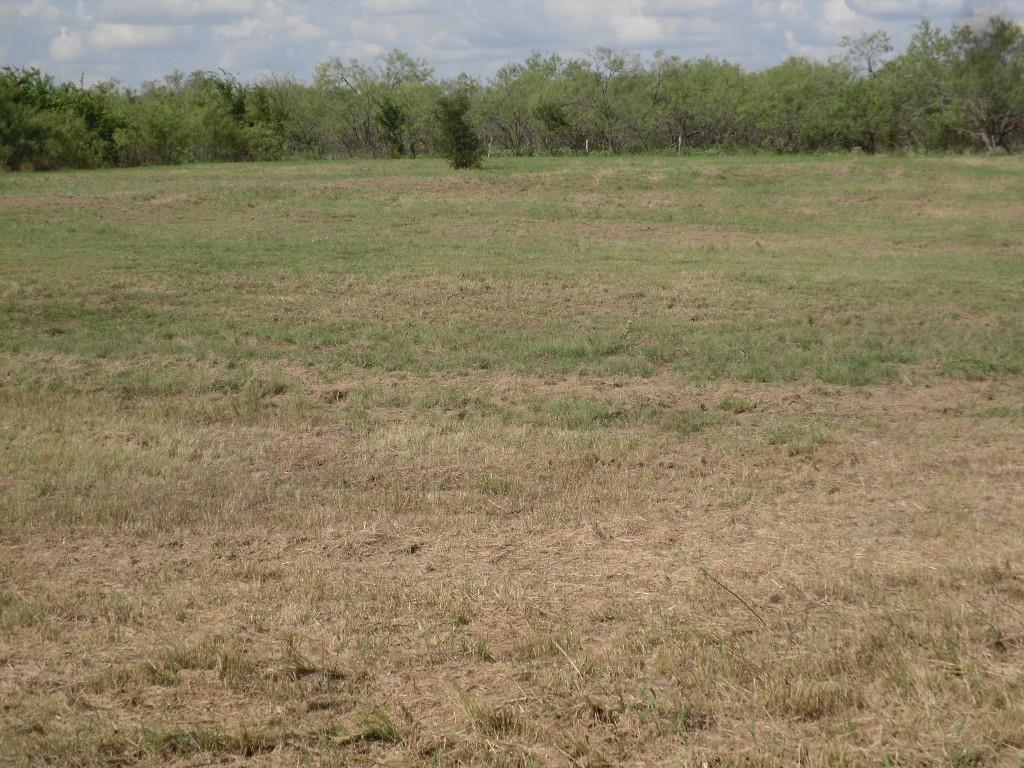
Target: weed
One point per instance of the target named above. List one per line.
(689, 422)
(735, 405)
(377, 725)
(799, 439)
(489, 720)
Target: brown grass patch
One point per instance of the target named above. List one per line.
(258, 505)
(554, 614)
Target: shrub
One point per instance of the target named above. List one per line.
(392, 121)
(459, 140)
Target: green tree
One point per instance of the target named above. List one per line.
(392, 120)
(796, 105)
(705, 103)
(922, 97)
(405, 100)
(987, 82)
(46, 125)
(287, 118)
(954, 89)
(375, 108)
(867, 53)
(23, 129)
(349, 90)
(459, 141)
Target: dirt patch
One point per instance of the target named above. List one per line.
(168, 201)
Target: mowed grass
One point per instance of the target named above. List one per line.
(589, 461)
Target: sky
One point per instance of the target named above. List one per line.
(137, 40)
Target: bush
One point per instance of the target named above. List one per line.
(155, 133)
(69, 142)
(392, 121)
(459, 140)
(22, 134)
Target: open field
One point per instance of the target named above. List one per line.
(564, 462)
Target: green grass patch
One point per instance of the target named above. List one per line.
(799, 439)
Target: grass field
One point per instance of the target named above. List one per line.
(563, 462)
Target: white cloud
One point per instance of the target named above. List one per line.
(384, 32)
(82, 12)
(136, 40)
(66, 46)
(357, 49)
(400, 7)
(240, 30)
(1009, 10)
(639, 29)
(114, 37)
(838, 19)
(41, 10)
(798, 48)
(299, 29)
(685, 7)
(792, 9)
(838, 13)
(269, 25)
(172, 11)
(635, 22)
(589, 14)
(905, 9)
(764, 10)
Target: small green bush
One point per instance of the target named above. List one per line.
(459, 140)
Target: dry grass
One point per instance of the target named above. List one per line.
(416, 502)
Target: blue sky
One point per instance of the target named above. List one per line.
(135, 40)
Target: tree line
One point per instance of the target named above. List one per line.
(954, 90)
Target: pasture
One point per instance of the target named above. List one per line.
(578, 461)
